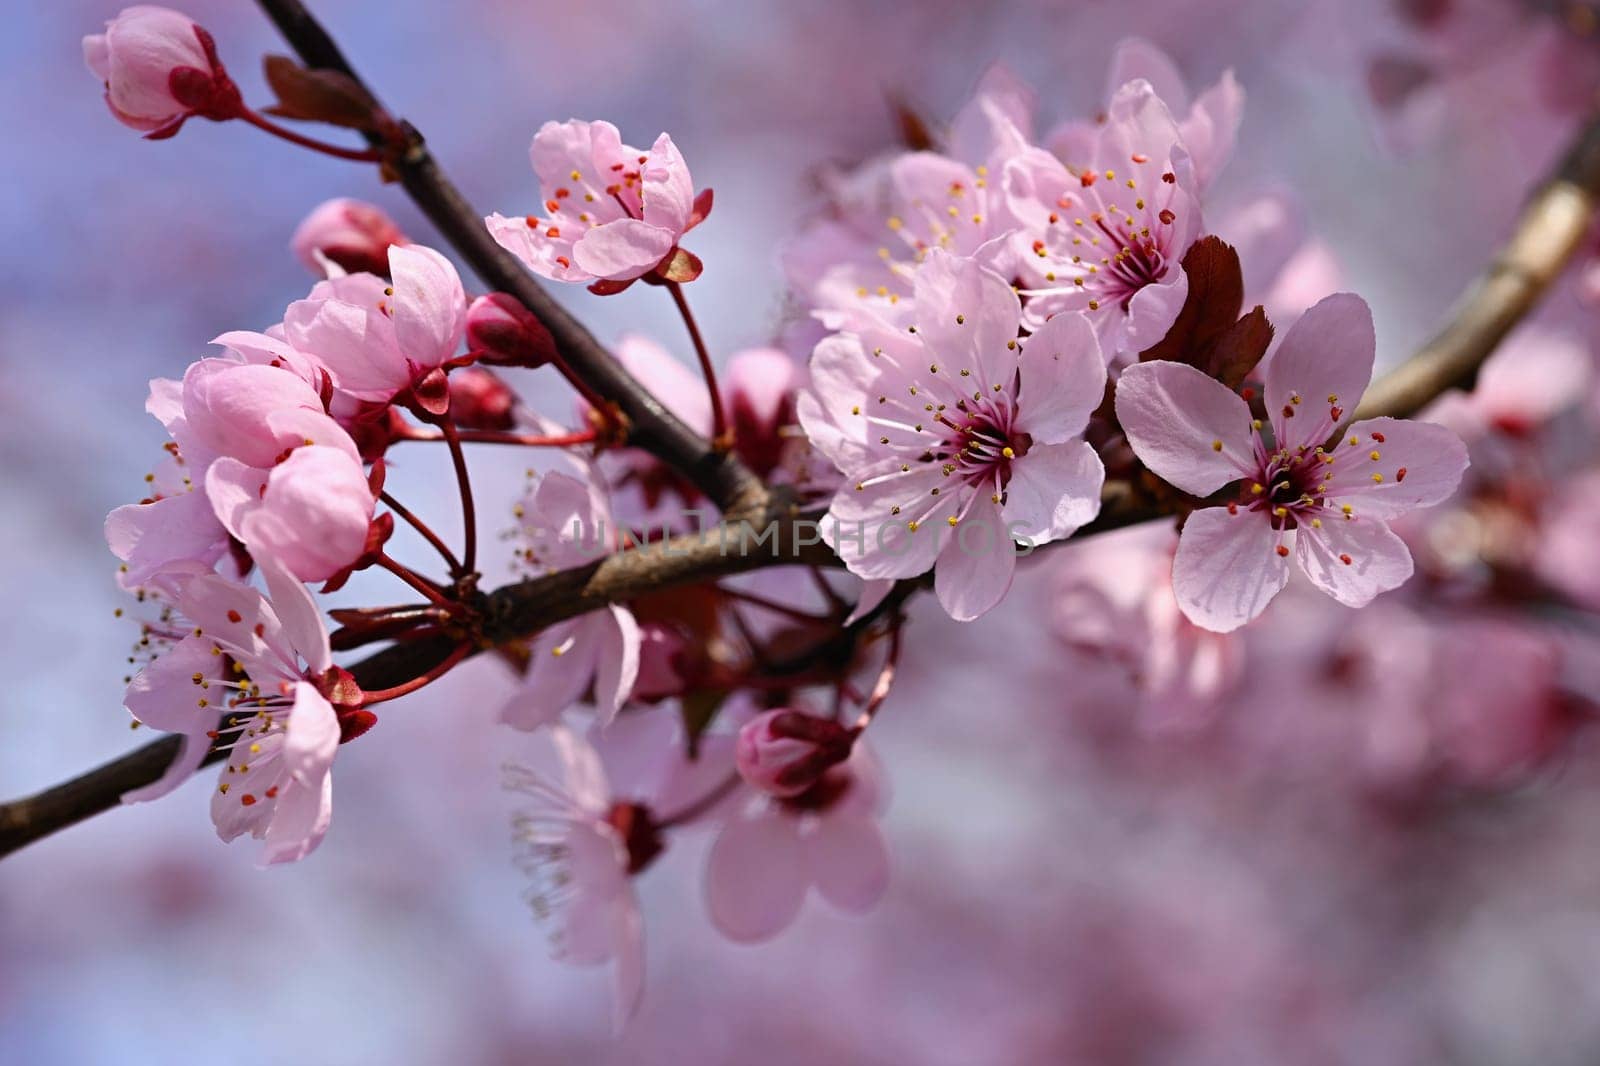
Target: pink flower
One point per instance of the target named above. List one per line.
(174, 525)
(611, 212)
(1331, 508)
(759, 386)
(352, 234)
(1105, 234)
(582, 843)
(958, 438)
(501, 332)
(568, 523)
(480, 399)
(883, 218)
(1208, 126)
(281, 731)
(784, 752)
(381, 339)
(767, 858)
(159, 68)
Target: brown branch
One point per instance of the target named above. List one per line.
(1547, 235)
(722, 477)
(1549, 232)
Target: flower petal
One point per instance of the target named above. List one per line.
(849, 861)
(1419, 463)
(616, 661)
(1063, 379)
(756, 876)
(977, 562)
(622, 250)
(1053, 490)
(430, 306)
(1227, 568)
(1325, 361)
(1353, 560)
(1175, 418)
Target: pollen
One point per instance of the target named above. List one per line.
(952, 520)
(1216, 445)
(911, 526)
(1283, 551)
(1257, 488)
(1377, 479)
(1345, 559)
(1375, 456)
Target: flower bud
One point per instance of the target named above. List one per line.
(353, 234)
(784, 752)
(501, 332)
(480, 400)
(160, 68)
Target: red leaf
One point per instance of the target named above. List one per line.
(702, 210)
(1239, 349)
(1216, 292)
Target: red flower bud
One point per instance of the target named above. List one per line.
(353, 234)
(480, 400)
(785, 752)
(501, 332)
(160, 68)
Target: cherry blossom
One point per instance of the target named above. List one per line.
(783, 752)
(955, 425)
(612, 213)
(1105, 234)
(382, 339)
(598, 807)
(276, 720)
(1323, 494)
(567, 522)
(1208, 126)
(351, 234)
(775, 850)
(883, 218)
(160, 68)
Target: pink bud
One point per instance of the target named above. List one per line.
(480, 400)
(354, 234)
(784, 752)
(501, 332)
(159, 68)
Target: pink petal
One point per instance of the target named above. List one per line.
(1420, 465)
(1212, 127)
(226, 406)
(873, 541)
(1053, 490)
(628, 975)
(623, 249)
(312, 736)
(297, 609)
(164, 695)
(1152, 311)
(1175, 416)
(1063, 379)
(756, 876)
(300, 819)
(1135, 58)
(680, 389)
(554, 682)
(151, 537)
(668, 188)
(429, 305)
(998, 118)
(849, 861)
(1327, 353)
(193, 749)
(872, 594)
(1378, 559)
(976, 564)
(830, 410)
(315, 515)
(582, 772)
(616, 661)
(539, 252)
(1138, 122)
(965, 315)
(234, 490)
(1227, 568)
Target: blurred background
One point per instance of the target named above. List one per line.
(1318, 866)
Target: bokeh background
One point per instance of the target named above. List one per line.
(1069, 888)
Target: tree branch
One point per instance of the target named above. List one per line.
(1549, 232)
(722, 477)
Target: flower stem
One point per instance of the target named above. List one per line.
(359, 155)
(771, 605)
(383, 695)
(427, 532)
(469, 515)
(416, 581)
(721, 439)
(880, 691)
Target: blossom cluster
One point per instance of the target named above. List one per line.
(990, 327)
